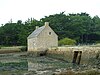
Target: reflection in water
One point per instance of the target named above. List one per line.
(13, 64)
(18, 64)
(33, 66)
(39, 65)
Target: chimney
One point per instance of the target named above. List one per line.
(46, 23)
(37, 27)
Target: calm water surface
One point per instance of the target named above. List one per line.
(36, 65)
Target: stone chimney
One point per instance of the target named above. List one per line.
(37, 27)
(46, 23)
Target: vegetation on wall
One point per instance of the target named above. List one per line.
(81, 27)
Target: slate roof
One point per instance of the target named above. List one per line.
(36, 32)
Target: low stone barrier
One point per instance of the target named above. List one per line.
(75, 54)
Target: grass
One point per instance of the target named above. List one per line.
(12, 49)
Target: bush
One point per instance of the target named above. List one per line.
(67, 41)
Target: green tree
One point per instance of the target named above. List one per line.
(80, 27)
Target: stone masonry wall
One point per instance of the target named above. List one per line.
(67, 53)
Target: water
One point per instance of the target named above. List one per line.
(32, 65)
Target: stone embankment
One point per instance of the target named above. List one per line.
(77, 54)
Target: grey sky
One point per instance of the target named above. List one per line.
(24, 9)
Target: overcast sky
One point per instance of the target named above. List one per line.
(24, 9)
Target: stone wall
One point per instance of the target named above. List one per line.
(46, 38)
(83, 53)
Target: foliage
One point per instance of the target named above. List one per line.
(80, 27)
(67, 41)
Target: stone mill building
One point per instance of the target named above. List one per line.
(42, 38)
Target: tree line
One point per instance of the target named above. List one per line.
(80, 27)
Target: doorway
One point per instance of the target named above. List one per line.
(77, 57)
